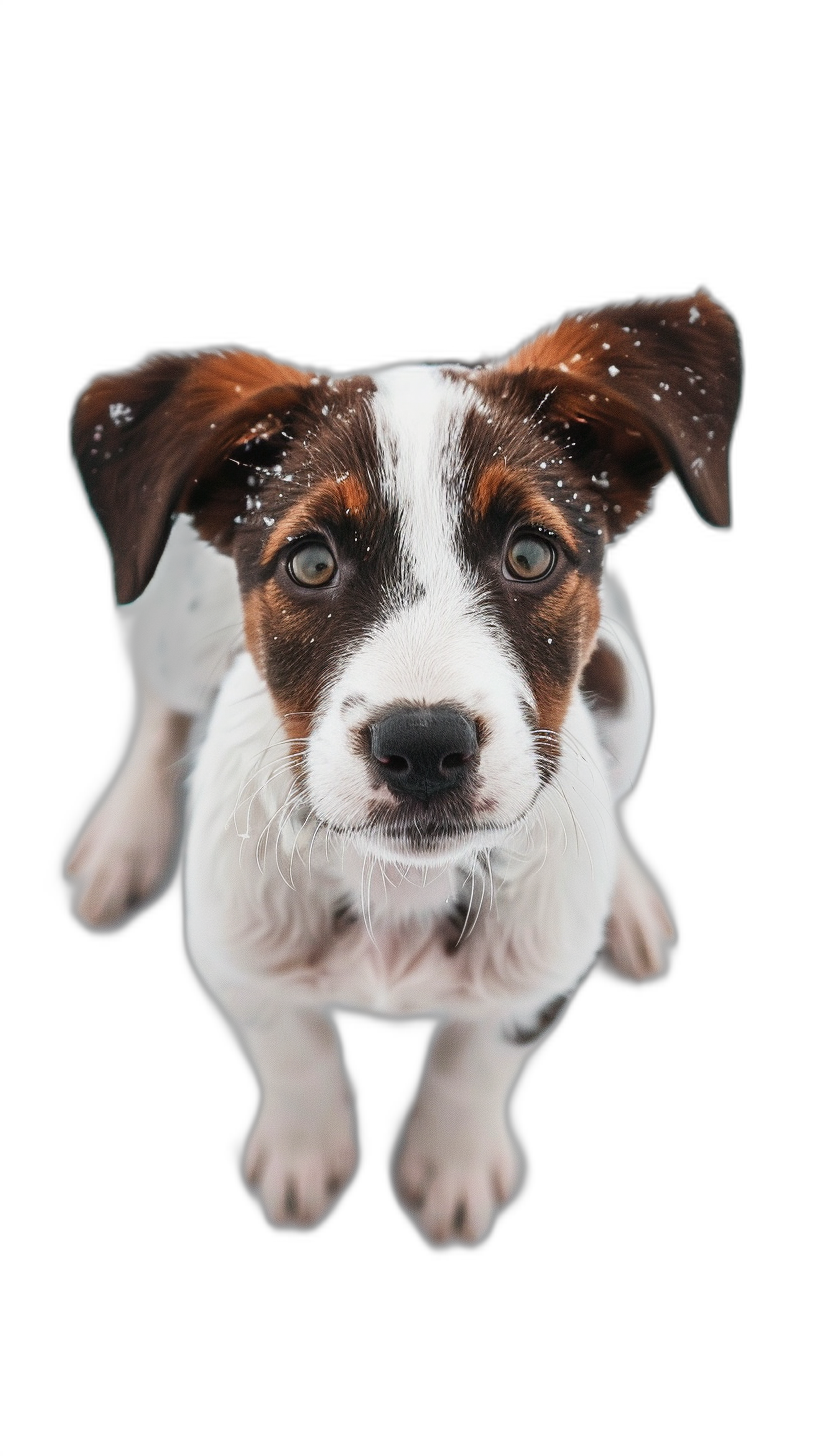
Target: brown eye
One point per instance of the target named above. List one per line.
(312, 564)
(530, 558)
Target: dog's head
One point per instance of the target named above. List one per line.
(419, 550)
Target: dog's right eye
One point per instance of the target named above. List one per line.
(312, 564)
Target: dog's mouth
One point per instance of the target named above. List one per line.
(422, 833)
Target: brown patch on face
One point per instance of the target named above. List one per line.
(319, 476)
(553, 650)
(524, 472)
(327, 501)
(489, 484)
(354, 496)
(522, 497)
(265, 610)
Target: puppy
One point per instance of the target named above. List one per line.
(385, 595)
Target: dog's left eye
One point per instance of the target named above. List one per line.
(530, 558)
(312, 564)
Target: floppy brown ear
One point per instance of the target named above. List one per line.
(149, 443)
(657, 383)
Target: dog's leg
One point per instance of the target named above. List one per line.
(127, 849)
(302, 1150)
(182, 634)
(639, 930)
(457, 1162)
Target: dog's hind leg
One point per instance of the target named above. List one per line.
(640, 929)
(127, 850)
(182, 634)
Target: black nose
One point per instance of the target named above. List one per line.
(423, 751)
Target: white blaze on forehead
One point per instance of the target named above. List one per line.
(418, 414)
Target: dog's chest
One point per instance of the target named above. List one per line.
(481, 949)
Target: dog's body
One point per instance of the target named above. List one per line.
(430, 703)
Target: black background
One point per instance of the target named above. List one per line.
(634, 1114)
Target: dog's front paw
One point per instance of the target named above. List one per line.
(639, 930)
(298, 1159)
(455, 1170)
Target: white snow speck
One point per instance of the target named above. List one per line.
(694, 314)
(613, 370)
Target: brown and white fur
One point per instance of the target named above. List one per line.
(328, 863)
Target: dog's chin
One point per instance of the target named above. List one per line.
(424, 840)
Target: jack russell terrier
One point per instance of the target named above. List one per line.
(384, 595)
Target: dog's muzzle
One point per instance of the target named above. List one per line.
(421, 752)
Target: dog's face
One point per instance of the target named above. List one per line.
(420, 577)
(419, 550)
